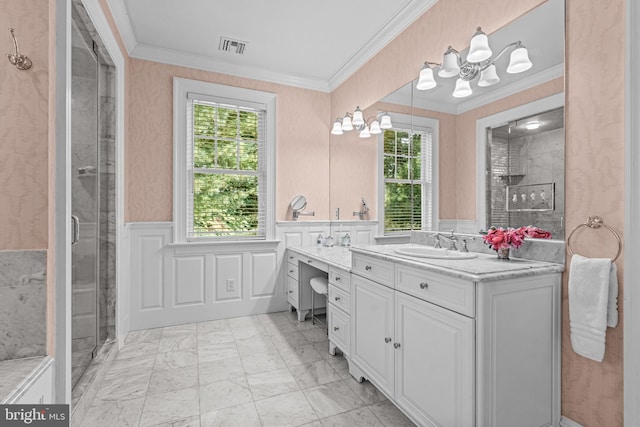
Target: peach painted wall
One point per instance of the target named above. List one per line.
(24, 127)
(592, 393)
(302, 146)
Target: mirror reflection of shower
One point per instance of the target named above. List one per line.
(525, 173)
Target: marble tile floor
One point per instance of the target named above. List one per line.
(264, 370)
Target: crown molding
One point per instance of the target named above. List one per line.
(121, 16)
(512, 88)
(200, 62)
(412, 11)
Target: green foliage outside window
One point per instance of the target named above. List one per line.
(403, 186)
(226, 180)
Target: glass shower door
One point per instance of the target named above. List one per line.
(85, 203)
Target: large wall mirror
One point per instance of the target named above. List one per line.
(527, 162)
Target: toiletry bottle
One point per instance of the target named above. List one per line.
(346, 240)
(319, 240)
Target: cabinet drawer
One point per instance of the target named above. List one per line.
(314, 263)
(339, 326)
(340, 278)
(292, 257)
(292, 292)
(455, 294)
(373, 268)
(339, 298)
(292, 270)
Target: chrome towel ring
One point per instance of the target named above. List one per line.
(595, 222)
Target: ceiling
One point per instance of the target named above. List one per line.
(312, 44)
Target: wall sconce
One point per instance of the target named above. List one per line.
(22, 62)
(479, 61)
(366, 128)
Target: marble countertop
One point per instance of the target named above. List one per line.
(483, 267)
(14, 373)
(337, 256)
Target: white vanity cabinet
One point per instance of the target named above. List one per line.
(457, 352)
(338, 311)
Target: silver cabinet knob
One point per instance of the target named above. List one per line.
(335, 328)
(424, 285)
(396, 345)
(290, 256)
(338, 278)
(309, 261)
(337, 298)
(387, 340)
(368, 267)
(290, 271)
(290, 292)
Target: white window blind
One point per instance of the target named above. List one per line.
(225, 168)
(408, 179)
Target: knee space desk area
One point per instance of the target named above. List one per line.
(470, 342)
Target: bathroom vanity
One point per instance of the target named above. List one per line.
(469, 341)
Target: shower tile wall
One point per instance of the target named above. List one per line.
(107, 126)
(533, 159)
(22, 304)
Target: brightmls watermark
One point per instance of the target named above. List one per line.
(34, 415)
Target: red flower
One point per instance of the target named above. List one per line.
(500, 238)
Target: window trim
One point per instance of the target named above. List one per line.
(181, 87)
(406, 121)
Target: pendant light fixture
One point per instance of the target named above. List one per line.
(365, 128)
(479, 62)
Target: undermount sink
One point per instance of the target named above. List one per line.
(421, 251)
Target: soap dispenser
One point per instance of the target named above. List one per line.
(346, 240)
(319, 240)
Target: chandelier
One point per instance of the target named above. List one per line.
(365, 128)
(479, 61)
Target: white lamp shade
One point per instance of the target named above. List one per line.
(364, 133)
(346, 123)
(426, 80)
(488, 76)
(519, 61)
(450, 65)
(374, 129)
(337, 128)
(385, 122)
(358, 119)
(463, 89)
(479, 49)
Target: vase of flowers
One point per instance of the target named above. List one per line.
(502, 239)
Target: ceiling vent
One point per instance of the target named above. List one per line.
(232, 46)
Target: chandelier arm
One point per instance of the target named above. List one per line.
(504, 49)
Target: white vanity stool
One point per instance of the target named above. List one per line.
(320, 286)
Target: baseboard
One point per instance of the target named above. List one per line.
(566, 422)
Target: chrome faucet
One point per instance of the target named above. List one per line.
(364, 210)
(452, 240)
(464, 243)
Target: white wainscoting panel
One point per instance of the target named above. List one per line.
(172, 284)
(228, 274)
(188, 280)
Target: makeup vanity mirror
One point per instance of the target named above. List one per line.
(470, 149)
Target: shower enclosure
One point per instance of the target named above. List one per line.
(93, 194)
(525, 173)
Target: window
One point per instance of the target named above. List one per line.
(223, 151)
(408, 176)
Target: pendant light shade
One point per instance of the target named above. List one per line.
(358, 119)
(364, 133)
(519, 60)
(426, 80)
(488, 76)
(337, 128)
(374, 129)
(385, 122)
(479, 49)
(450, 65)
(463, 89)
(346, 123)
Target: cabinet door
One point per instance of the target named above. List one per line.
(372, 331)
(434, 363)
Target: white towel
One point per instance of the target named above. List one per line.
(593, 293)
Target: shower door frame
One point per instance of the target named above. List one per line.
(60, 203)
